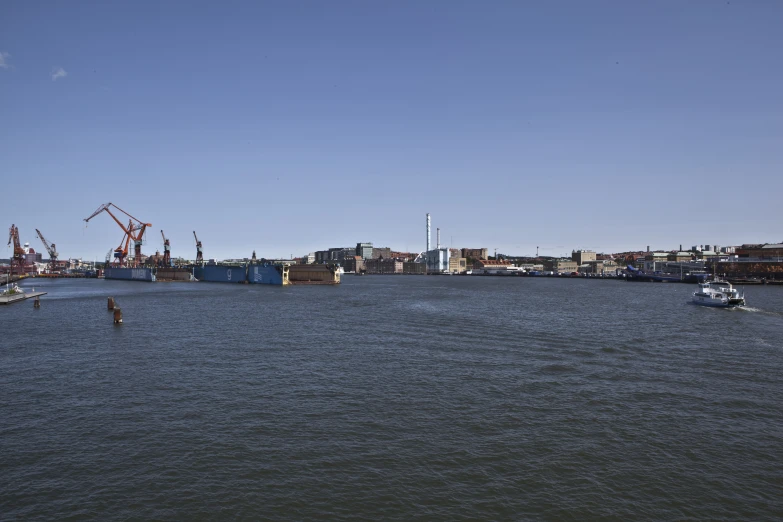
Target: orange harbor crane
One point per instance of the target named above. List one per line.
(17, 261)
(133, 231)
(52, 249)
(199, 254)
(166, 250)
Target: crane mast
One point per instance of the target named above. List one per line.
(199, 253)
(51, 249)
(18, 256)
(166, 250)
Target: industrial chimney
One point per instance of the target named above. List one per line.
(428, 233)
(437, 235)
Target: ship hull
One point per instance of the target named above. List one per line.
(264, 275)
(129, 274)
(268, 274)
(221, 274)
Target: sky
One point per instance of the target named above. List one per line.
(290, 127)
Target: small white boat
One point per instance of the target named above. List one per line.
(718, 293)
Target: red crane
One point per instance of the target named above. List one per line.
(166, 250)
(199, 254)
(52, 249)
(134, 230)
(17, 261)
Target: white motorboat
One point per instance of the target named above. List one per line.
(718, 293)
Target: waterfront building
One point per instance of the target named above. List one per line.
(381, 253)
(353, 264)
(490, 264)
(707, 254)
(581, 257)
(383, 266)
(321, 256)
(364, 250)
(410, 267)
(340, 253)
(437, 260)
(457, 265)
(679, 256)
(654, 261)
(475, 253)
(769, 250)
(531, 267)
(334, 255)
(601, 267)
(560, 266)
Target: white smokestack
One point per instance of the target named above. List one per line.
(437, 235)
(429, 242)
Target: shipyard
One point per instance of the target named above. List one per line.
(742, 264)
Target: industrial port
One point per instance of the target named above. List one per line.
(123, 264)
(746, 264)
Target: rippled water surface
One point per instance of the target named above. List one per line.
(397, 398)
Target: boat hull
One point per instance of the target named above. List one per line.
(129, 274)
(253, 274)
(264, 275)
(718, 303)
(221, 274)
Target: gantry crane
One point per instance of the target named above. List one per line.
(199, 254)
(17, 261)
(166, 250)
(52, 249)
(134, 230)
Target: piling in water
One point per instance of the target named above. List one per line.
(117, 316)
(37, 302)
(111, 303)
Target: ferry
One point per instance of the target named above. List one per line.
(718, 293)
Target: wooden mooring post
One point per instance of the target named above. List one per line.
(111, 303)
(117, 316)
(37, 302)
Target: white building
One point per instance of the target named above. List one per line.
(438, 260)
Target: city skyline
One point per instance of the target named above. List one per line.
(285, 129)
(152, 246)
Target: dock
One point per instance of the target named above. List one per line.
(9, 299)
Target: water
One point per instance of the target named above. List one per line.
(398, 398)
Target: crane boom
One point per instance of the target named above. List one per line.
(18, 256)
(199, 254)
(52, 249)
(133, 231)
(166, 250)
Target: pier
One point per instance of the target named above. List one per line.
(9, 299)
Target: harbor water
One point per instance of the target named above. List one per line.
(391, 398)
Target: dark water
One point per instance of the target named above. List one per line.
(396, 398)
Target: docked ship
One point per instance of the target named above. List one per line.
(130, 274)
(269, 274)
(258, 274)
(634, 274)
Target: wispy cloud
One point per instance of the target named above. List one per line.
(58, 72)
(4, 60)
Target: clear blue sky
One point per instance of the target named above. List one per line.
(289, 127)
